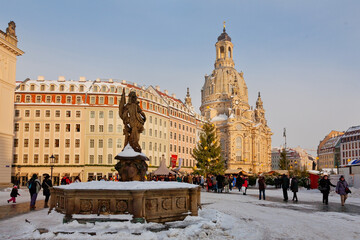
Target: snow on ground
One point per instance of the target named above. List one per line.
(223, 216)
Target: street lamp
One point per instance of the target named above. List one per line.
(52, 161)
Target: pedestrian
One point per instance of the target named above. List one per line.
(226, 184)
(65, 180)
(231, 179)
(46, 185)
(262, 186)
(239, 182)
(245, 185)
(285, 186)
(34, 186)
(202, 182)
(324, 187)
(294, 188)
(342, 188)
(77, 179)
(14, 193)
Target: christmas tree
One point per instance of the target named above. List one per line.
(284, 162)
(207, 153)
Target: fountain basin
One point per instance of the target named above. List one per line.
(151, 201)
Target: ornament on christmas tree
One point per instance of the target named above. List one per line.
(209, 160)
(205, 147)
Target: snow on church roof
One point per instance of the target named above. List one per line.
(220, 117)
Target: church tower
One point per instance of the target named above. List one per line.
(244, 136)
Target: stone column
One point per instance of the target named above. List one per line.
(138, 206)
(193, 201)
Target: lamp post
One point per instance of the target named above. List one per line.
(52, 161)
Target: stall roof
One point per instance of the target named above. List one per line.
(162, 170)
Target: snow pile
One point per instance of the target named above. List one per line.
(220, 117)
(133, 185)
(129, 152)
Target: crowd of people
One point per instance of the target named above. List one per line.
(212, 183)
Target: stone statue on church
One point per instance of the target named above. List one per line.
(10, 30)
(133, 118)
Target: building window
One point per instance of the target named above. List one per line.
(150, 119)
(26, 142)
(92, 143)
(46, 158)
(150, 132)
(100, 159)
(143, 145)
(150, 146)
(38, 99)
(77, 158)
(17, 113)
(92, 100)
(81, 89)
(78, 100)
(46, 144)
(91, 161)
(57, 143)
(27, 113)
(57, 127)
(92, 114)
(92, 128)
(110, 158)
(26, 127)
(67, 143)
(111, 114)
(68, 113)
(155, 133)
(36, 158)
(170, 147)
(47, 113)
(58, 99)
(78, 114)
(101, 128)
(57, 113)
(110, 128)
(77, 128)
(16, 142)
(25, 158)
(101, 114)
(110, 143)
(67, 158)
(77, 143)
(72, 88)
(18, 98)
(101, 100)
(118, 143)
(62, 88)
(111, 100)
(48, 99)
(118, 128)
(27, 99)
(67, 128)
(36, 143)
(101, 143)
(15, 158)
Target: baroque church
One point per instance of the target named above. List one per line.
(244, 135)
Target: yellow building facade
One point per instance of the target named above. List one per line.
(8, 54)
(244, 135)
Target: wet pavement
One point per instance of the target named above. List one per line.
(311, 205)
(15, 209)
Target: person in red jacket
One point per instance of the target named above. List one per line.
(14, 193)
(245, 185)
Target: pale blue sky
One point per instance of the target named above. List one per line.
(303, 56)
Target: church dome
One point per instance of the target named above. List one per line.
(224, 36)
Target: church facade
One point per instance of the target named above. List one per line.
(244, 135)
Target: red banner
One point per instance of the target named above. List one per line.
(173, 161)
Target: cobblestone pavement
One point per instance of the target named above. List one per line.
(15, 209)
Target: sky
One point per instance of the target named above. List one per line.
(303, 56)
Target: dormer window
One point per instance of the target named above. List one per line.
(72, 88)
(62, 88)
(52, 87)
(103, 89)
(81, 88)
(95, 89)
(42, 87)
(22, 87)
(32, 87)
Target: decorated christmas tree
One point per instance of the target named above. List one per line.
(207, 153)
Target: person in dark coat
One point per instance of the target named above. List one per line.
(341, 187)
(14, 193)
(46, 185)
(220, 182)
(294, 188)
(239, 182)
(324, 187)
(34, 186)
(262, 187)
(285, 186)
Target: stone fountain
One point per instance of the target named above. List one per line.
(150, 201)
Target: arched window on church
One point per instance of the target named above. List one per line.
(238, 156)
(212, 89)
(238, 143)
(229, 52)
(222, 52)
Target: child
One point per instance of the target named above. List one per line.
(14, 193)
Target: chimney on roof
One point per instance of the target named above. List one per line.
(173, 95)
(157, 88)
(123, 81)
(110, 80)
(40, 78)
(98, 80)
(61, 79)
(166, 92)
(82, 79)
